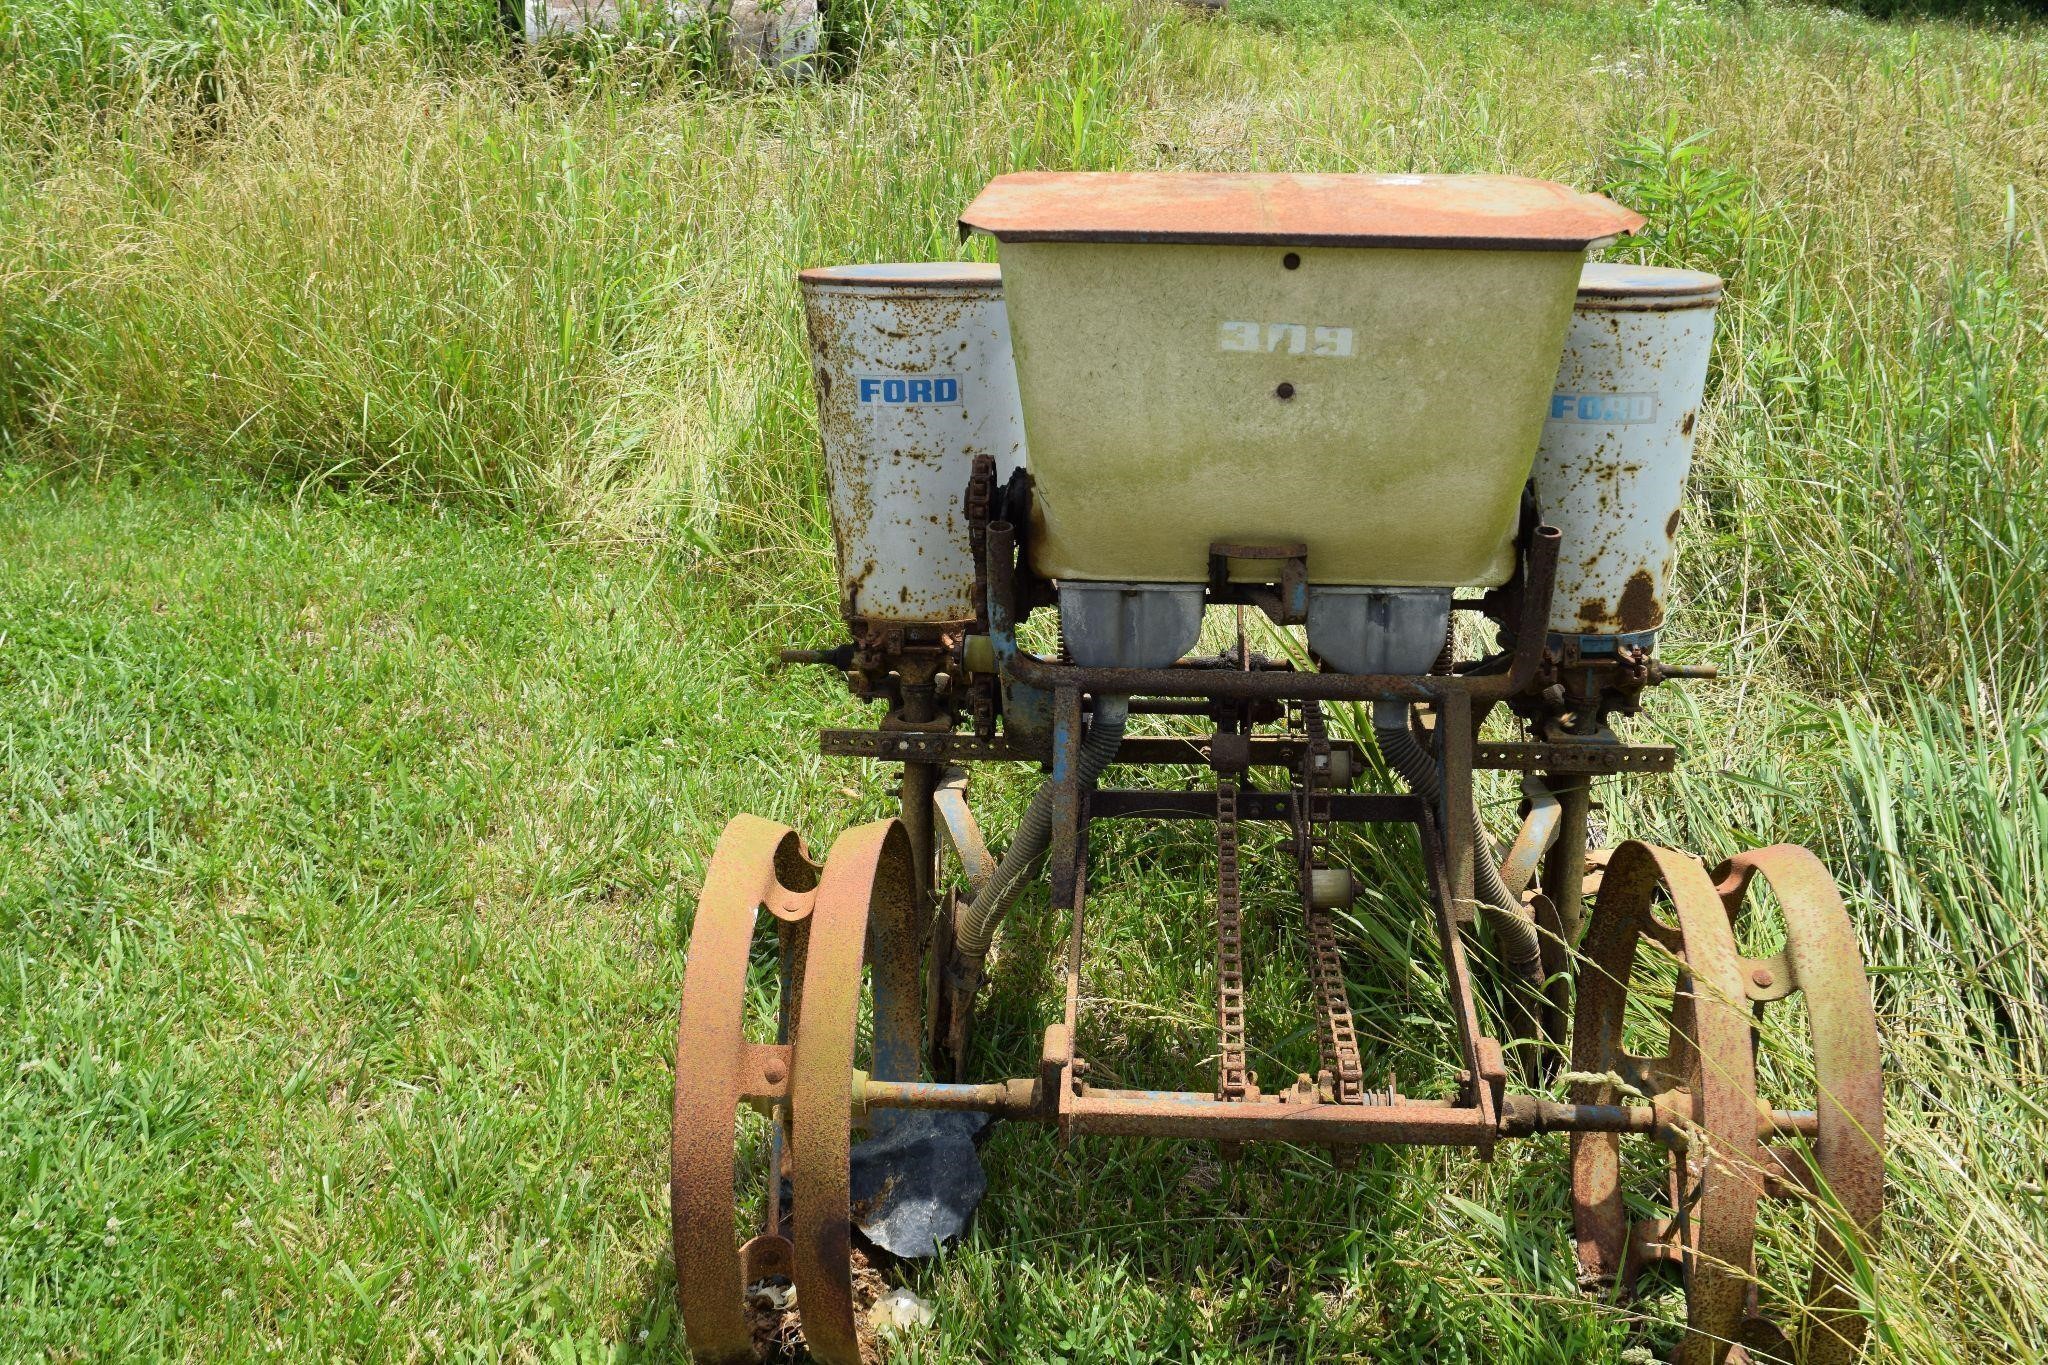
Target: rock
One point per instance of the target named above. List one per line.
(917, 1179)
(784, 36)
(781, 36)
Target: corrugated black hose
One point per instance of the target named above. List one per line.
(976, 928)
(1514, 928)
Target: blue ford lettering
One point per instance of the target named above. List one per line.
(1608, 409)
(889, 388)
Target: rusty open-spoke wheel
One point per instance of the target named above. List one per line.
(1702, 1083)
(849, 940)
(1837, 1170)
(758, 865)
(863, 940)
(1660, 918)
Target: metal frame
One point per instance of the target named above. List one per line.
(1698, 1101)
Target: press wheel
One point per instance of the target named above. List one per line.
(1704, 1086)
(1703, 1081)
(758, 865)
(865, 913)
(1839, 1172)
(831, 920)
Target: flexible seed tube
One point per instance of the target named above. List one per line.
(978, 920)
(1514, 930)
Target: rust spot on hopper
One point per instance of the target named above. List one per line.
(1640, 609)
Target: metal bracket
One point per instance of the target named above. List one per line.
(1289, 607)
(1538, 833)
(1068, 841)
(963, 831)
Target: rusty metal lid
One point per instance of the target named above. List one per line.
(1613, 286)
(1496, 212)
(900, 276)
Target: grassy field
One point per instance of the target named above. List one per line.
(407, 463)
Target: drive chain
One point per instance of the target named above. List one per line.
(1234, 1079)
(1326, 965)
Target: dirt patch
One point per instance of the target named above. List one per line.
(777, 1318)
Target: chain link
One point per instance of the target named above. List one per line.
(1312, 816)
(1234, 1078)
(981, 690)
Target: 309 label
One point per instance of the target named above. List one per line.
(893, 389)
(1291, 338)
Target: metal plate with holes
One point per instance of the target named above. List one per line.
(921, 747)
(1577, 758)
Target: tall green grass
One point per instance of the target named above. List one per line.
(574, 299)
(383, 250)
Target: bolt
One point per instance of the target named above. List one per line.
(1763, 978)
(1291, 261)
(1284, 392)
(774, 1071)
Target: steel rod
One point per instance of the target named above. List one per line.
(1527, 1114)
(1199, 1114)
(1174, 1114)
(1121, 803)
(995, 1098)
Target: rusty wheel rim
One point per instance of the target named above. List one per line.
(1704, 1084)
(758, 864)
(1840, 1172)
(864, 913)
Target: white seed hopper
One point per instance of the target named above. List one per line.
(1357, 363)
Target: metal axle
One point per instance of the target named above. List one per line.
(1390, 1118)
